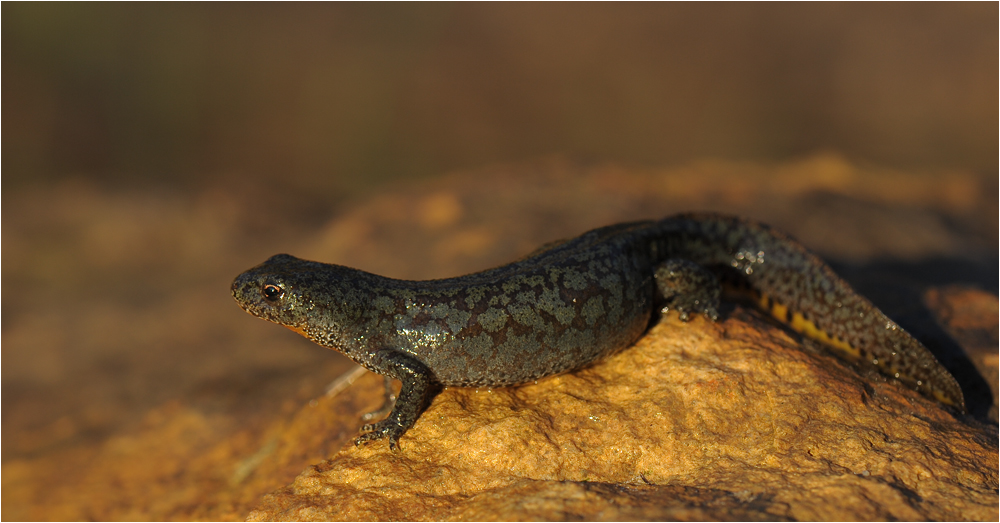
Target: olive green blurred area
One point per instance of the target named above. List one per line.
(338, 97)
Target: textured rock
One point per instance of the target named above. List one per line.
(969, 316)
(732, 420)
(190, 460)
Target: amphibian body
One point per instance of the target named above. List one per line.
(572, 303)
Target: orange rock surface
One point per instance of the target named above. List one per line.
(697, 420)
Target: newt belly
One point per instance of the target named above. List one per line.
(571, 303)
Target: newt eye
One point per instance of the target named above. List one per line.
(271, 292)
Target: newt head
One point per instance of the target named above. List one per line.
(272, 291)
(317, 300)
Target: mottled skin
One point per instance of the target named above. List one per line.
(569, 304)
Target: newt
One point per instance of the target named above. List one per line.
(571, 303)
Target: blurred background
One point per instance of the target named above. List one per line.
(343, 95)
(153, 151)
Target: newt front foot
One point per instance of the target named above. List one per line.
(379, 430)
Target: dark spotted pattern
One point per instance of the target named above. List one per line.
(565, 306)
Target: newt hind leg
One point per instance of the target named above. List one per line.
(688, 287)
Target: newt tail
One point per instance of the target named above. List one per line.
(798, 289)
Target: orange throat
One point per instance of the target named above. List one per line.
(299, 330)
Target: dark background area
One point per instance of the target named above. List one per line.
(152, 151)
(336, 96)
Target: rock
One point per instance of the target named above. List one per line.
(970, 317)
(699, 420)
